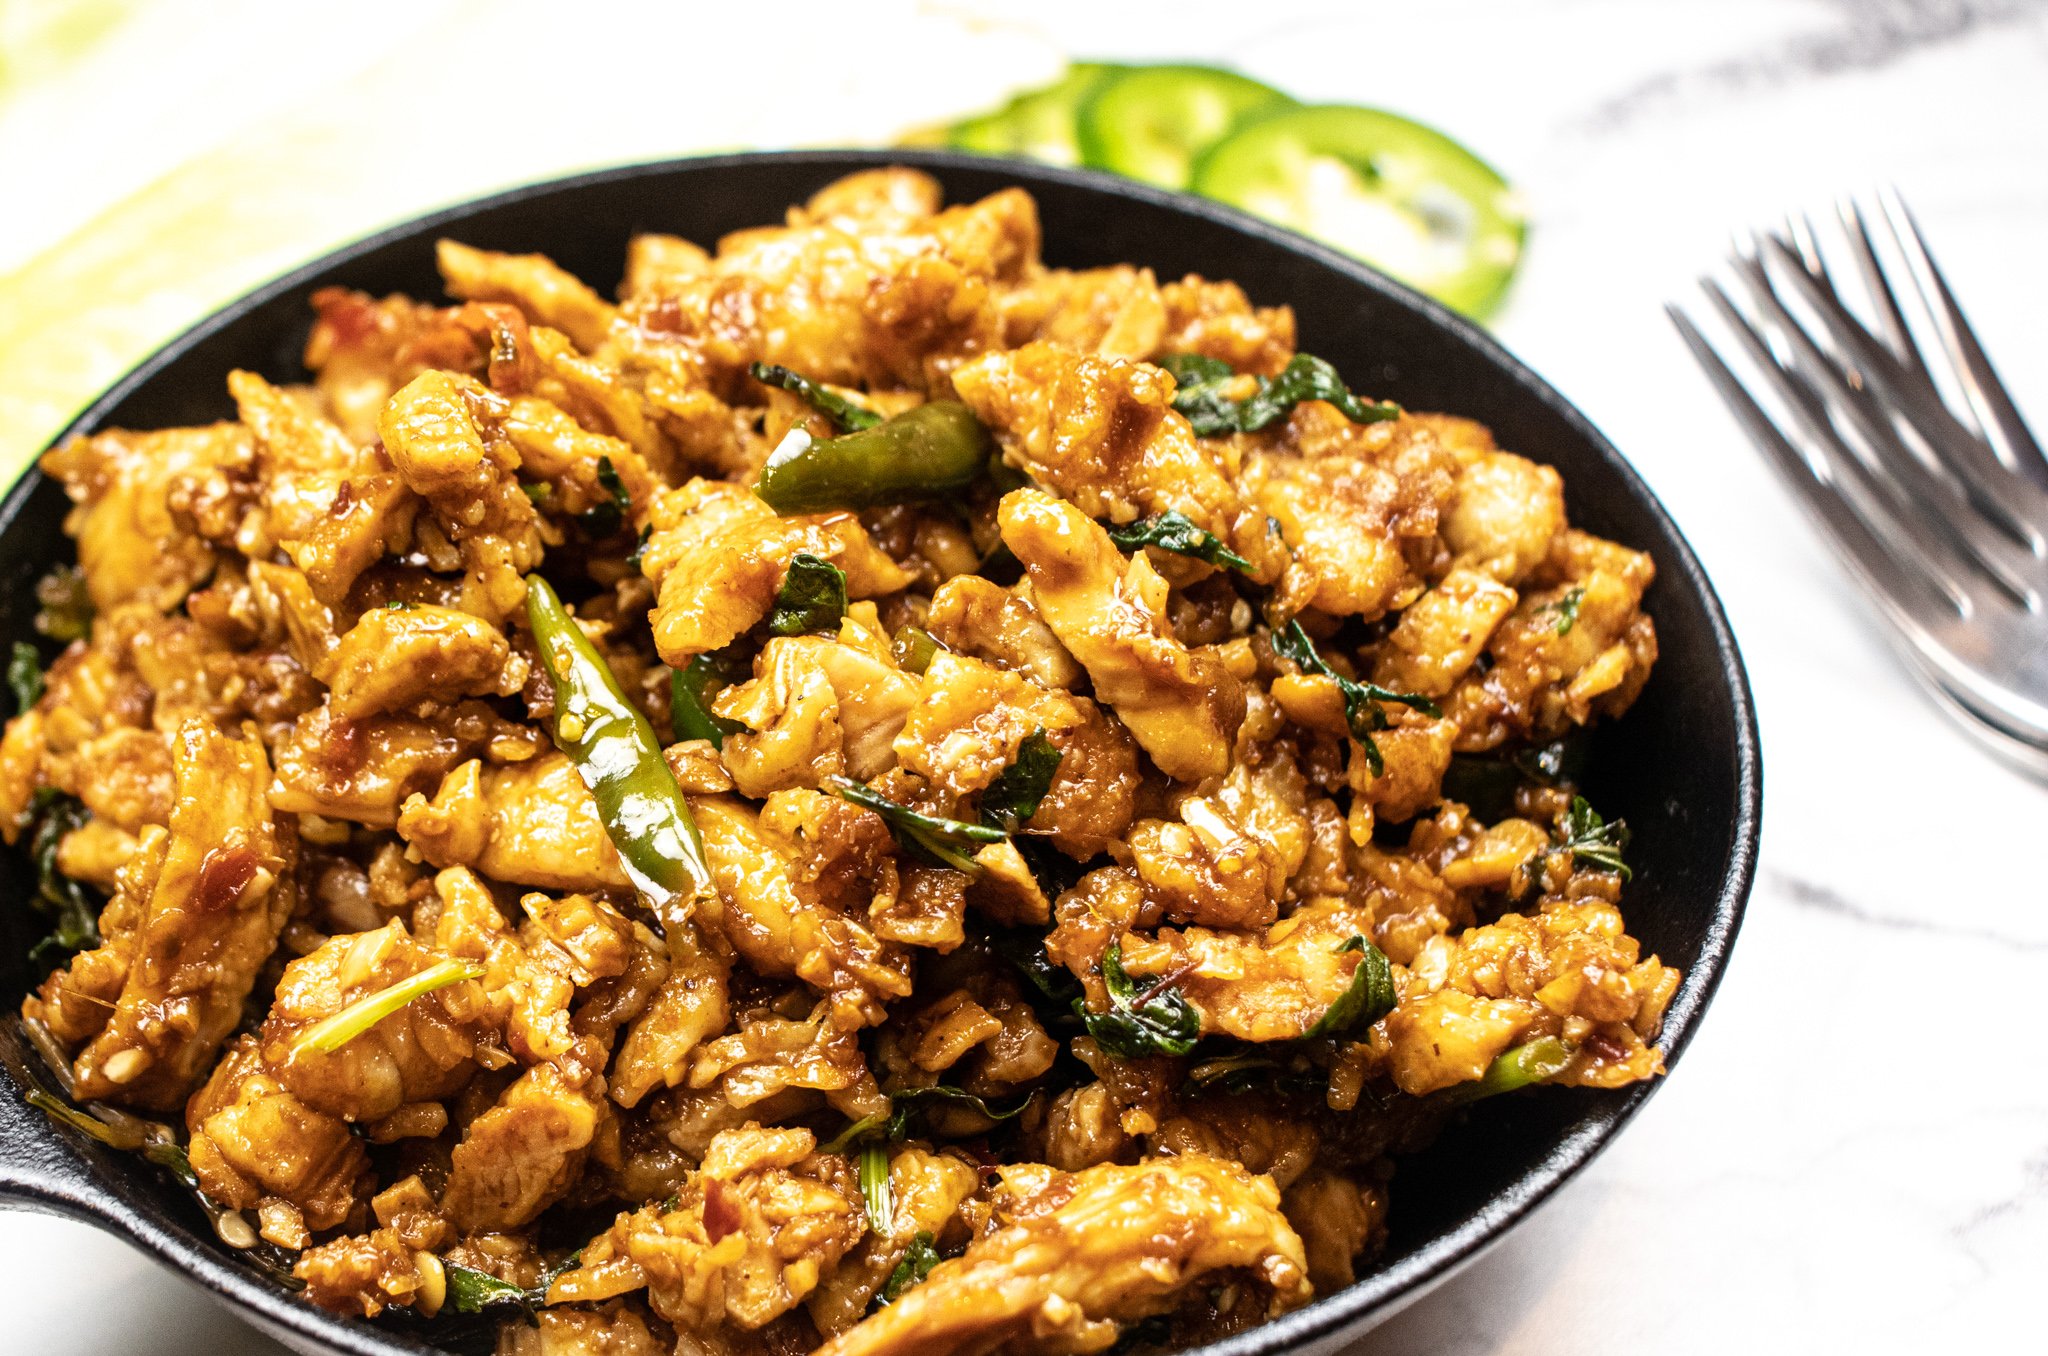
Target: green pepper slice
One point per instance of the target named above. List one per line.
(1403, 197)
(1038, 124)
(1155, 122)
(619, 759)
(923, 453)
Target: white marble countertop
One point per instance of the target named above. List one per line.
(1854, 1152)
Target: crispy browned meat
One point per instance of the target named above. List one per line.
(1075, 1256)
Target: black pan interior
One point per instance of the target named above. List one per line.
(1682, 767)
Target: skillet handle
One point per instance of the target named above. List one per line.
(42, 1169)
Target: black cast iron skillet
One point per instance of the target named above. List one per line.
(1682, 767)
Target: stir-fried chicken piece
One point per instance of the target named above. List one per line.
(749, 1236)
(1115, 312)
(134, 542)
(970, 719)
(519, 1157)
(615, 1329)
(532, 822)
(252, 1140)
(364, 770)
(1568, 971)
(1227, 860)
(1103, 434)
(1443, 632)
(718, 555)
(1504, 513)
(1267, 986)
(1581, 645)
(333, 504)
(537, 285)
(820, 706)
(433, 431)
(368, 1273)
(1217, 320)
(1338, 1220)
(1076, 1256)
(773, 1054)
(191, 945)
(688, 1009)
(1359, 506)
(1248, 1129)
(1180, 704)
(397, 656)
(421, 1053)
(978, 617)
(886, 299)
(765, 918)
(926, 1191)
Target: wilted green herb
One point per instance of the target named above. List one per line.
(949, 842)
(918, 1260)
(75, 908)
(894, 1124)
(691, 690)
(1567, 608)
(1210, 412)
(874, 1187)
(1595, 841)
(159, 1148)
(639, 548)
(1013, 797)
(538, 492)
(1025, 949)
(471, 1291)
(1153, 1021)
(1242, 1073)
(1176, 532)
(848, 416)
(1361, 699)
(1370, 995)
(812, 598)
(352, 1021)
(25, 675)
(66, 609)
(605, 517)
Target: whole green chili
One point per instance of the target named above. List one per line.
(924, 453)
(615, 751)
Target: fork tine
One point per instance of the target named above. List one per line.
(1893, 320)
(1986, 393)
(1949, 560)
(1905, 484)
(1884, 575)
(1995, 487)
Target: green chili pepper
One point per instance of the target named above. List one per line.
(924, 453)
(614, 749)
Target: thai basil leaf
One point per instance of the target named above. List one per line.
(1201, 399)
(918, 1261)
(812, 598)
(844, 414)
(949, 842)
(1013, 797)
(25, 675)
(607, 516)
(67, 611)
(691, 690)
(1154, 1021)
(1176, 532)
(1370, 995)
(1595, 841)
(76, 909)
(1361, 699)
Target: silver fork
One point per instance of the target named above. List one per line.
(1904, 447)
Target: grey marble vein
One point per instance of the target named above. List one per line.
(1865, 35)
(1824, 899)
